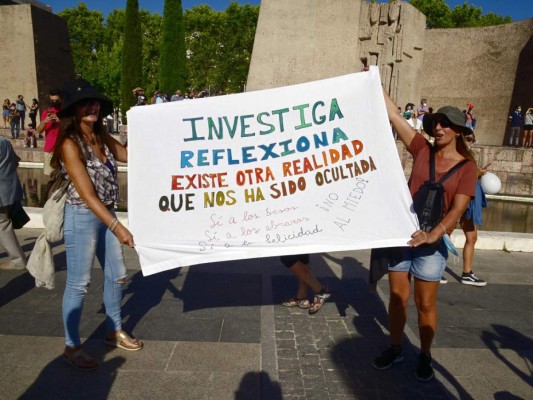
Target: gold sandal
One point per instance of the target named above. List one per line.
(124, 341)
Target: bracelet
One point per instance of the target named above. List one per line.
(113, 224)
(440, 223)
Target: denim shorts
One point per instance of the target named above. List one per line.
(425, 262)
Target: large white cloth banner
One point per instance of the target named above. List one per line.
(300, 169)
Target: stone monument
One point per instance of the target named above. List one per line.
(302, 40)
(35, 51)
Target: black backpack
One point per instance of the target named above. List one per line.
(428, 202)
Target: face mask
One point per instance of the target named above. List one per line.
(55, 104)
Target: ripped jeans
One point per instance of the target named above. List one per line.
(85, 237)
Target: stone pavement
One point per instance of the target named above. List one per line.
(217, 332)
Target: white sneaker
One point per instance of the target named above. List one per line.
(469, 278)
(443, 281)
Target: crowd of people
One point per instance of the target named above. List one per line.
(78, 145)
(158, 97)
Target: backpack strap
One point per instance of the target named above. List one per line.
(452, 170)
(432, 164)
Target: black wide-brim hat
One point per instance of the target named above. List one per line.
(76, 90)
(456, 117)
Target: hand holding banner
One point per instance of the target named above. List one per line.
(301, 169)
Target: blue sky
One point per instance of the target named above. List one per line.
(517, 9)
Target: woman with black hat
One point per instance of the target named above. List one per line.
(86, 154)
(425, 257)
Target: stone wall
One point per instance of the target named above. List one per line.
(297, 42)
(490, 67)
(301, 40)
(35, 52)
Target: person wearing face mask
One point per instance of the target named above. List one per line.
(422, 109)
(50, 126)
(516, 125)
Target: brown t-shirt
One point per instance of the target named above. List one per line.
(462, 181)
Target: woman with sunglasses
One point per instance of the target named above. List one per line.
(424, 258)
(86, 155)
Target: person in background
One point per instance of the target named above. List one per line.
(299, 266)
(21, 108)
(140, 97)
(470, 117)
(422, 109)
(424, 258)
(34, 109)
(469, 222)
(10, 193)
(86, 154)
(5, 112)
(49, 125)
(527, 140)
(177, 96)
(30, 139)
(14, 121)
(515, 120)
(415, 123)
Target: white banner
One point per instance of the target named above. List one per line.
(301, 169)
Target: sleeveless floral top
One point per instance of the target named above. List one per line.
(104, 179)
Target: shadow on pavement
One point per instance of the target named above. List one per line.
(354, 356)
(508, 338)
(58, 380)
(250, 382)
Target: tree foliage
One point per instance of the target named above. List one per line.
(172, 72)
(439, 15)
(131, 56)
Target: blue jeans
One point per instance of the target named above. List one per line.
(85, 237)
(15, 128)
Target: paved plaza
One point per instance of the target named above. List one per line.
(217, 332)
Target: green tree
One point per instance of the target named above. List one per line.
(238, 26)
(439, 15)
(437, 12)
(172, 73)
(151, 34)
(131, 72)
(469, 16)
(219, 46)
(202, 27)
(86, 31)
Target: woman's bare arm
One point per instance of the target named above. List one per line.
(119, 151)
(406, 132)
(70, 154)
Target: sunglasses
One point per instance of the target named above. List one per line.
(469, 139)
(442, 121)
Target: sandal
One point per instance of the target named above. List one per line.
(124, 341)
(318, 300)
(79, 359)
(296, 302)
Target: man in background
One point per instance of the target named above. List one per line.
(50, 126)
(10, 193)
